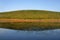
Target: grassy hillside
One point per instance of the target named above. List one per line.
(30, 14)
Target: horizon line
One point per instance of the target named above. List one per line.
(28, 9)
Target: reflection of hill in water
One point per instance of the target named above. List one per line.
(7, 34)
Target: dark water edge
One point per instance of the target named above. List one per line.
(10, 34)
(31, 29)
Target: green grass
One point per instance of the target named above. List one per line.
(30, 14)
(30, 25)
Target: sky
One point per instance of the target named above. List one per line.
(11, 5)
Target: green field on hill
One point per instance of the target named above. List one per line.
(30, 14)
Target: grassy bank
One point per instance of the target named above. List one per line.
(30, 25)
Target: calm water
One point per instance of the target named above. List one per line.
(7, 34)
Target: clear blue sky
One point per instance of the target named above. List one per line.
(6, 5)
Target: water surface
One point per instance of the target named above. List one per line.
(8, 34)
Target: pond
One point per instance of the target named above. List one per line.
(8, 34)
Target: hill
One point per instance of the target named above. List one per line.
(30, 14)
(30, 20)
